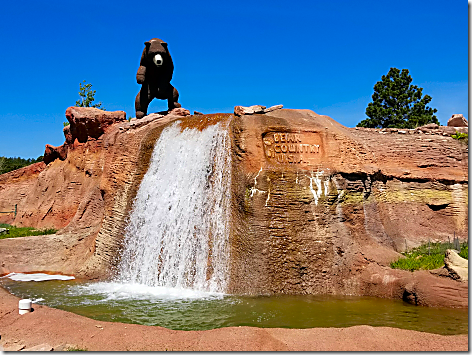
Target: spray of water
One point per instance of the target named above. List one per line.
(177, 236)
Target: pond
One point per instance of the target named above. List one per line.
(193, 310)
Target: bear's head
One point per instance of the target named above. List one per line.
(156, 51)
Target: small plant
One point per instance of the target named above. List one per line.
(87, 96)
(66, 124)
(465, 251)
(16, 232)
(461, 137)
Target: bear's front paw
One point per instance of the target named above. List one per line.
(140, 79)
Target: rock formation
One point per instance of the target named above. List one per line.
(457, 121)
(456, 265)
(316, 207)
(84, 123)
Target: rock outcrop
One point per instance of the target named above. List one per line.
(457, 266)
(316, 207)
(457, 121)
(84, 123)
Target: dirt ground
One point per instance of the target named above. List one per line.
(47, 328)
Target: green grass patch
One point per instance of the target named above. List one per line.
(427, 257)
(461, 137)
(16, 232)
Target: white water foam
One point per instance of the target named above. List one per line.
(121, 291)
(37, 277)
(177, 237)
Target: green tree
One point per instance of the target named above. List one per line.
(87, 96)
(397, 103)
(10, 164)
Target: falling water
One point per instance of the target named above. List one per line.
(177, 236)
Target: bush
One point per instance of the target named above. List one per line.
(465, 252)
(461, 137)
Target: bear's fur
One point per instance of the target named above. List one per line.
(155, 78)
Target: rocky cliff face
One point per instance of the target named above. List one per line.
(316, 202)
(317, 207)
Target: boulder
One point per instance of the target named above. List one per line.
(273, 108)
(457, 266)
(91, 122)
(179, 111)
(52, 153)
(457, 121)
(242, 110)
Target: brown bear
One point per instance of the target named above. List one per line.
(155, 73)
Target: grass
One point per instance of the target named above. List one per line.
(427, 257)
(16, 232)
(465, 252)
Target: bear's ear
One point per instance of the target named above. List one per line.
(147, 43)
(164, 44)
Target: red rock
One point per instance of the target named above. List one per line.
(429, 126)
(457, 121)
(242, 110)
(52, 153)
(68, 135)
(179, 111)
(91, 122)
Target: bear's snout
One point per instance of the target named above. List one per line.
(158, 60)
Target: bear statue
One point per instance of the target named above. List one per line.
(155, 73)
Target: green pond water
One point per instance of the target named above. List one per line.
(190, 310)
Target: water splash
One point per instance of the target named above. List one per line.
(178, 231)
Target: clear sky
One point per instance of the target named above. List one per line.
(320, 55)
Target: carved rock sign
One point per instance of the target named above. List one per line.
(293, 147)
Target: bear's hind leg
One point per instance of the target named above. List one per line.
(142, 102)
(172, 101)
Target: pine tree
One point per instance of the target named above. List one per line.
(397, 103)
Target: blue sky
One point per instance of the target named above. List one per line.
(320, 55)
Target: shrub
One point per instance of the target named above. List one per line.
(461, 137)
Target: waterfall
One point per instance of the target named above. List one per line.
(177, 235)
